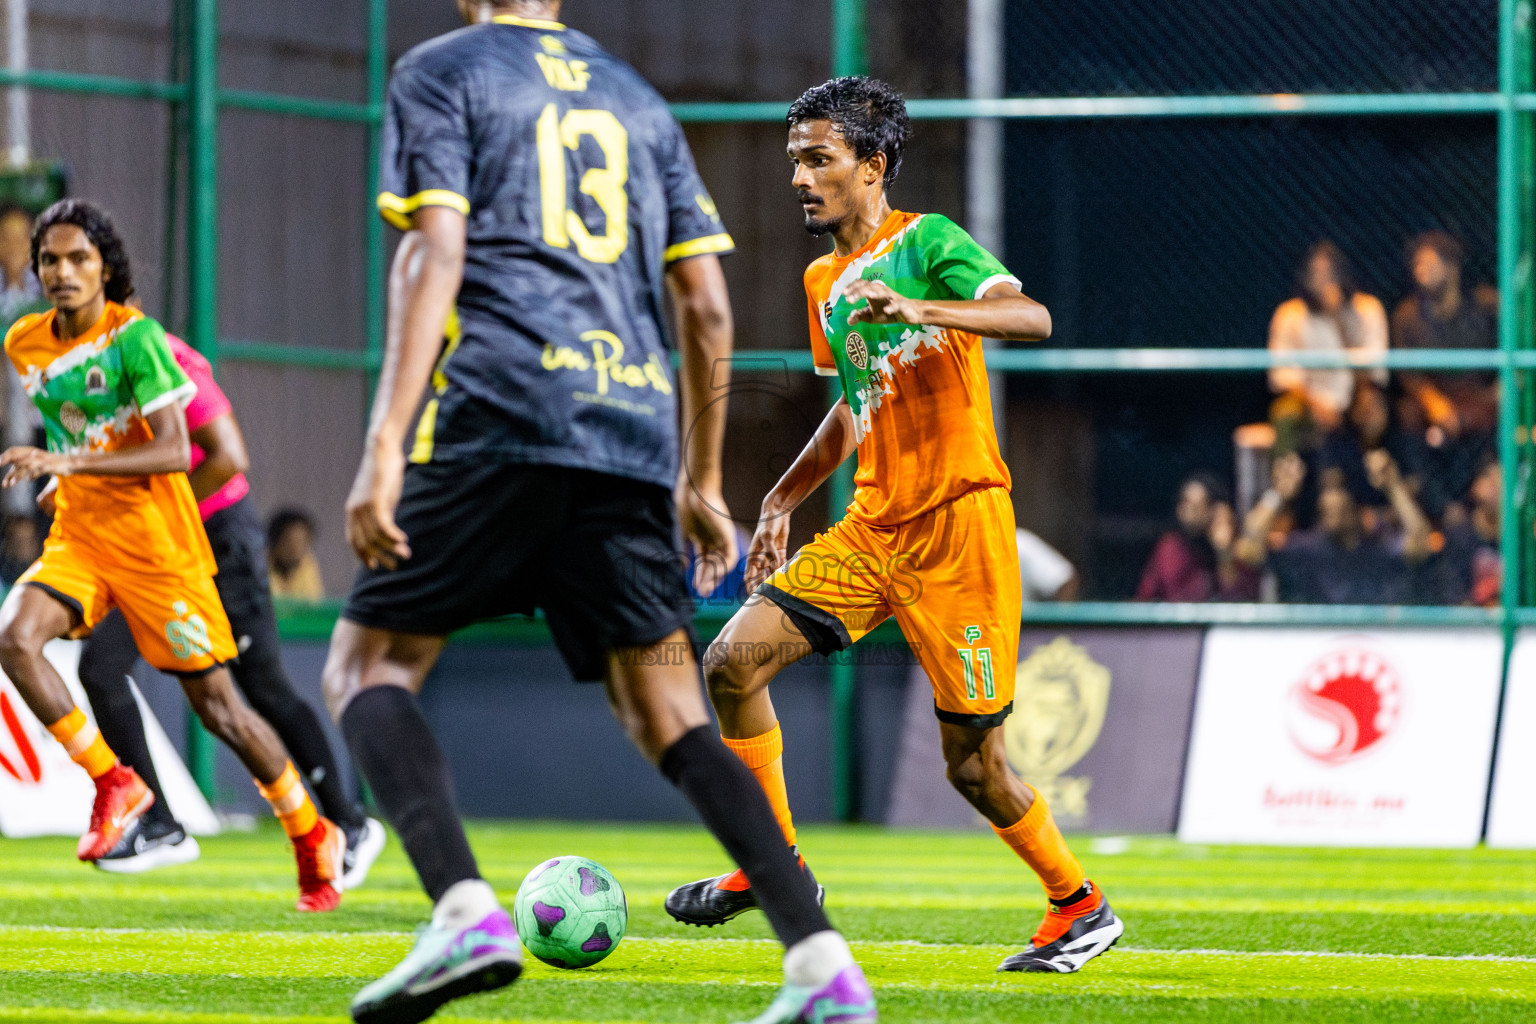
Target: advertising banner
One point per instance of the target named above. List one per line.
(1308, 736)
(1099, 726)
(1512, 805)
(44, 793)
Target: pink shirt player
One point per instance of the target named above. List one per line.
(207, 405)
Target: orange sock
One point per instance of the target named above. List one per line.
(291, 803)
(1037, 840)
(765, 756)
(84, 743)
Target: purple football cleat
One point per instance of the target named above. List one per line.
(846, 999)
(444, 964)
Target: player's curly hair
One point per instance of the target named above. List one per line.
(869, 114)
(98, 227)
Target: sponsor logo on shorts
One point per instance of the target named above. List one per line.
(187, 634)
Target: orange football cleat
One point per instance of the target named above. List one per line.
(121, 798)
(320, 854)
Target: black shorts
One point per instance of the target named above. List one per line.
(597, 553)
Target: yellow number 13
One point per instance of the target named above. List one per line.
(605, 185)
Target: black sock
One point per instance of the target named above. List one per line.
(121, 725)
(408, 774)
(736, 810)
(296, 724)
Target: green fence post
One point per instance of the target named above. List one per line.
(849, 57)
(373, 238)
(203, 254)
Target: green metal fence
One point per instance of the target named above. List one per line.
(198, 95)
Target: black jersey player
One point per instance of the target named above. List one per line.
(549, 200)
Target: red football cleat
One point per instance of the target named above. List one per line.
(320, 855)
(121, 798)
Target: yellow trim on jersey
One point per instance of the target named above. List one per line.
(421, 451)
(426, 427)
(698, 247)
(397, 211)
(512, 19)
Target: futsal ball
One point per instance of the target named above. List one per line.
(570, 912)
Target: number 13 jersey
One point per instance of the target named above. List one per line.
(579, 191)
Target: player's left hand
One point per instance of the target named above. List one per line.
(25, 463)
(371, 528)
(706, 521)
(884, 305)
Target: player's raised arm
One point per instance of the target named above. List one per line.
(1003, 312)
(829, 448)
(169, 451)
(425, 278)
(706, 338)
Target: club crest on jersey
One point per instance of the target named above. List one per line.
(95, 381)
(72, 417)
(858, 352)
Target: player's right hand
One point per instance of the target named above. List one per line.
(768, 550)
(371, 505)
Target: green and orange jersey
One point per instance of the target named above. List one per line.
(94, 392)
(922, 409)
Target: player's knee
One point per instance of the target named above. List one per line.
(19, 640)
(730, 680)
(968, 775)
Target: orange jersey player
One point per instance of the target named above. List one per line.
(897, 313)
(126, 535)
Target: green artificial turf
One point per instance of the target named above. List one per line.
(1213, 933)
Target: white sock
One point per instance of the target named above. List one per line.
(816, 959)
(465, 903)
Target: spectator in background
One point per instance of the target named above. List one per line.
(1329, 314)
(1368, 425)
(1045, 573)
(1455, 412)
(21, 539)
(291, 560)
(1344, 559)
(1196, 562)
(20, 291)
(1471, 565)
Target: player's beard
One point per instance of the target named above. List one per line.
(819, 226)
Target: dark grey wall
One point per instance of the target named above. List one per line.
(526, 742)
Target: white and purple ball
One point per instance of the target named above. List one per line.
(570, 912)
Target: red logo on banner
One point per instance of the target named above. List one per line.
(1345, 704)
(24, 749)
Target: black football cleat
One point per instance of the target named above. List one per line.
(1088, 936)
(713, 901)
(147, 845)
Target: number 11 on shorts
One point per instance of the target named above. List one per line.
(974, 658)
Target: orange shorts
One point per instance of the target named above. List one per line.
(950, 579)
(173, 611)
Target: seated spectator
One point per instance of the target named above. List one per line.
(1455, 411)
(1344, 559)
(1044, 573)
(291, 561)
(1329, 314)
(1195, 562)
(1368, 424)
(1471, 565)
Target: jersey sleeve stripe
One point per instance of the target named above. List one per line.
(699, 247)
(397, 211)
(995, 279)
(181, 395)
(825, 371)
